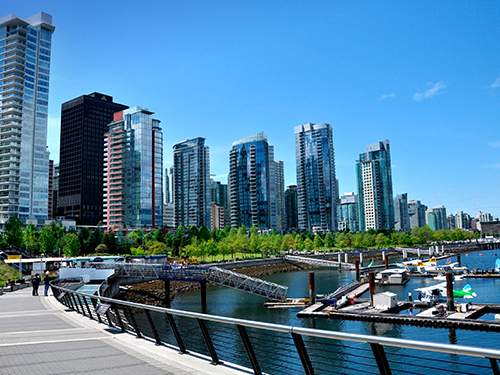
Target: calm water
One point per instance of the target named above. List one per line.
(233, 303)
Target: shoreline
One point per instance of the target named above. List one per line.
(153, 292)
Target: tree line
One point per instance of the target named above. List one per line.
(201, 243)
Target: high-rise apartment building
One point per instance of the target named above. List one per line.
(462, 220)
(292, 216)
(133, 166)
(168, 185)
(280, 195)
(348, 215)
(252, 183)
(192, 183)
(484, 216)
(376, 205)
(436, 218)
(317, 193)
(416, 212)
(84, 121)
(25, 47)
(401, 214)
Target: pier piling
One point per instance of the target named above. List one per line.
(203, 286)
(371, 285)
(449, 291)
(357, 269)
(312, 289)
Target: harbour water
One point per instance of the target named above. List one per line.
(233, 303)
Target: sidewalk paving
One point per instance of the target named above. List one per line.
(39, 336)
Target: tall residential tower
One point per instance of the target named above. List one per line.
(376, 205)
(252, 183)
(317, 192)
(25, 47)
(133, 166)
(192, 183)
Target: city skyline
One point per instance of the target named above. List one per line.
(422, 76)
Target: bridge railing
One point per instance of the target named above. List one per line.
(277, 349)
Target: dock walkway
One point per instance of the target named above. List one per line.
(37, 336)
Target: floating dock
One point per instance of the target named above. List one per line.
(362, 311)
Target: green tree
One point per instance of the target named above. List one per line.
(71, 245)
(204, 233)
(288, 243)
(83, 237)
(101, 249)
(381, 239)
(308, 244)
(110, 241)
(13, 232)
(329, 241)
(318, 242)
(30, 237)
(156, 248)
(48, 241)
(299, 242)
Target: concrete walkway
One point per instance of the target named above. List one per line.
(38, 336)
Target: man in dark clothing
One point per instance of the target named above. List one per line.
(46, 281)
(35, 281)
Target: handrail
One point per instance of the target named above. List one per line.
(120, 310)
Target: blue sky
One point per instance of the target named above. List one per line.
(423, 74)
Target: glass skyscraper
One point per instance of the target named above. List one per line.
(25, 47)
(133, 168)
(401, 215)
(348, 217)
(376, 204)
(416, 211)
(192, 183)
(252, 183)
(317, 193)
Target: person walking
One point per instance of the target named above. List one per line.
(35, 282)
(46, 281)
(409, 296)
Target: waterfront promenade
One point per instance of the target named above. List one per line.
(38, 336)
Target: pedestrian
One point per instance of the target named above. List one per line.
(419, 296)
(409, 296)
(46, 281)
(35, 282)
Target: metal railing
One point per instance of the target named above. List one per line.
(273, 348)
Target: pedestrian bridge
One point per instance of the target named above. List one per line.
(320, 262)
(133, 273)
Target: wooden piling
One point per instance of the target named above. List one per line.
(449, 291)
(312, 289)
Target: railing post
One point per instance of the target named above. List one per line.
(74, 303)
(152, 326)
(494, 366)
(81, 304)
(131, 317)
(118, 318)
(381, 359)
(249, 349)
(208, 342)
(88, 308)
(176, 333)
(302, 351)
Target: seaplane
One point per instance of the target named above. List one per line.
(438, 292)
(442, 268)
(497, 266)
(412, 265)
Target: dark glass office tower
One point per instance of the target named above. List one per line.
(84, 121)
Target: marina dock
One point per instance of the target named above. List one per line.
(362, 311)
